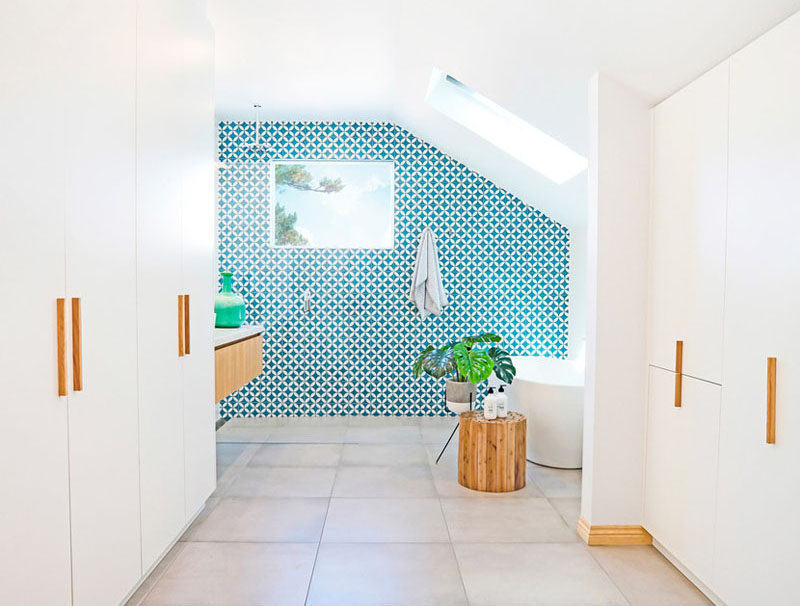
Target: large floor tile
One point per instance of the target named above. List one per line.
(384, 481)
(436, 430)
(401, 434)
(383, 421)
(229, 453)
(556, 482)
(445, 478)
(254, 422)
(385, 521)
(282, 482)
(569, 508)
(501, 521)
(318, 434)
(386, 575)
(383, 454)
(646, 577)
(244, 433)
(262, 520)
(541, 574)
(228, 574)
(140, 595)
(297, 455)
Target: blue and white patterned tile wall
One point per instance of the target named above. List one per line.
(504, 264)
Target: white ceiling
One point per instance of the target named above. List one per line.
(371, 60)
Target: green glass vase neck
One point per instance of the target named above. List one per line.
(226, 282)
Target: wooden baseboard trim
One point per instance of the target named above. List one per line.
(613, 535)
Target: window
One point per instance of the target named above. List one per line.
(332, 204)
(500, 127)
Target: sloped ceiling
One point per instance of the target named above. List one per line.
(371, 60)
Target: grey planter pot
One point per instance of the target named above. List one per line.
(457, 394)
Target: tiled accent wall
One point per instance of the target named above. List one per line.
(504, 266)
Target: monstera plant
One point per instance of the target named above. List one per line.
(465, 363)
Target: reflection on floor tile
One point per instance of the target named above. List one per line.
(384, 481)
(297, 455)
(282, 482)
(385, 521)
(556, 482)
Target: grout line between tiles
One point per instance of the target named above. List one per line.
(321, 534)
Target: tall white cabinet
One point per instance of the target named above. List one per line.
(106, 192)
(725, 279)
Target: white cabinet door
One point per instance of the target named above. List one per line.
(687, 273)
(34, 514)
(680, 484)
(158, 205)
(198, 258)
(758, 545)
(101, 272)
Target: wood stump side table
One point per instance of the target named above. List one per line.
(491, 453)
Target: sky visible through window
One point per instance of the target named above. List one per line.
(332, 204)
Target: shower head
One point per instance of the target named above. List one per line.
(257, 145)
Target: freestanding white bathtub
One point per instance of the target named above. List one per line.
(549, 392)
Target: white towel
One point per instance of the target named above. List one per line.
(426, 286)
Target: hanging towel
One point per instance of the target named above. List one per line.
(426, 286)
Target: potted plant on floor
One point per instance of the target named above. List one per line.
(465, 363)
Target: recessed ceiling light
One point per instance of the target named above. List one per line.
(500, 127)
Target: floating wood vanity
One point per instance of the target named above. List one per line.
(237, 358)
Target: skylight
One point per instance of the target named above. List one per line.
(500, 127)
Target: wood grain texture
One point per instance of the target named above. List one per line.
(77, 356)
(187, 349)
(772, 388)
(613, 535)
(678, 373)
(491, 453)
(61, 346)
(181, 328)
(236, 364)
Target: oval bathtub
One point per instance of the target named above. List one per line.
(549, 392)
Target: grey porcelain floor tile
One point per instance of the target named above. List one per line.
(534, 574)
(383, 421)
(211, 505)
(318, 434)
(556, 482)
(140, 595)
(396, 574)
(383, 454)
(385, 521)
(569, 508)
(254, 422)
(437, 435)
(297, 455)
(228, 453)
(646, 578)
(249, 433)
(401, 434)
(315, 421)
(262, 520)
(282, 482)
(445, 478)
(505, 521)
(228, 574)
(384, 481)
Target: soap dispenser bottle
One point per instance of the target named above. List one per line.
(490, 405)
(502, 403)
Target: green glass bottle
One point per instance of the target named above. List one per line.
(228, 305)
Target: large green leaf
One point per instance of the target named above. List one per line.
(487, 337)
(439, 363)
(474, 365)
(503, 366)
(418, 363)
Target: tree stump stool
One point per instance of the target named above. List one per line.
(491, 453)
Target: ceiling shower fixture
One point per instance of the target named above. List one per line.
(258, 145)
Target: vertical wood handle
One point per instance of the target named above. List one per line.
(678, 373)
(181, 327)
(61, 338)
(77, 358)
(772, 384)
(186, 326)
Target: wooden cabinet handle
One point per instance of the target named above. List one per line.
(181, 327)
(61, 338)
(772, 364)
(678, 373)
(77, 358)
(186, 326)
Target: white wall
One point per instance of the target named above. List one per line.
(616, 310)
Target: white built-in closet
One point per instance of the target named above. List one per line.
(721, 487)
(106, 191)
